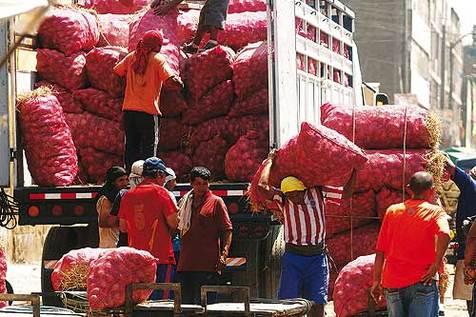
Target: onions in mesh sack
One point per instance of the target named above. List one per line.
(215, 103)
(114, 6)
(250, 70)
(338, 217)
(68, 30)
(344, 247)
(96, 163)
(239, 6)
(65, 97)
(205, 131)
(3, 275)
(71, 271)
(49, 147)
(351, 291)
(180, 163)
(114, 29)
(237, 127)
(99, 65)
(387, 197)
(99, 103)
(384, 127)
(106, 290)
(386, 168)
(255, 104)
(211, 154)
(66, 71)
(92, 131)
(243, 158)
(172, 133)
(206, 70)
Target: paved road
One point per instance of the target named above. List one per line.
(26, 278)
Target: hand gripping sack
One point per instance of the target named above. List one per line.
(106, 290)
(49, 147)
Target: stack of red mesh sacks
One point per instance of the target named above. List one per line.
(3, 275)
(382, 132)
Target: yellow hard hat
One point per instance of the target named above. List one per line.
(292, 184)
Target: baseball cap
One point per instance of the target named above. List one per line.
(171, 175)
(137, 168)
(154, 164)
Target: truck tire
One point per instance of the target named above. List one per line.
(59, 241)
(274, 250)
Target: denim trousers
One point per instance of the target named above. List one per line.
(417, 300)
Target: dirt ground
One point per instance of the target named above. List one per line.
(26, 278)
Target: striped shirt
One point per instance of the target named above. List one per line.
(305, 224)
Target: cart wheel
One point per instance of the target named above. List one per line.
(9, 290)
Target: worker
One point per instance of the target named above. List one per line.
(149, 216)
(170, 183)
(146, 72)
(135, 178)
(212, 20)
(116, 180)
(304, 265)
(410, 248)
(206, 233)
(466, 208)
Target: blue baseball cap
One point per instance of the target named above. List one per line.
(154, 164)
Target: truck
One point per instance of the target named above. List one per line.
(312, 60)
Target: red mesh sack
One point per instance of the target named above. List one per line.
(68, 31)
(3, 275)
(114, 29)
(114, 6)
(48, 144)
(324, 157)
(386, 168)
(239, 6)
(172, 103)
(92, 131)
(71, 271)
(351, 291)
(99, 103)
(257, 103)
(344, 247)
(215, 103)
(237, 127)
(180, 163)
(172, 133)
(338, 217)
(387, 197)
(187, 22)
(205, 131)
(99, 65)
(243, 158)
(211, 154)
(96, 163)
(381, 127)
(250, 70)
(206, 70)
(167, 25)
(66, 71)
(106, 290)
(65, 98)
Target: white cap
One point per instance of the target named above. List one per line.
(137, 168)
(171, 175)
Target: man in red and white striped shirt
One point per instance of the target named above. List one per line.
(305, 270)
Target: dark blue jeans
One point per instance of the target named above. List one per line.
(416, 300)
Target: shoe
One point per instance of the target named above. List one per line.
(210, 45)
(190, 48)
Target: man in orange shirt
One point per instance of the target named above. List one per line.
(412, 242)
(146, 72)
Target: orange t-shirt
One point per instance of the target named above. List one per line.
(407, 239)
(143, 91)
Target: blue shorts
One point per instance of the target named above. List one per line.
(304, 277)
(165, 274)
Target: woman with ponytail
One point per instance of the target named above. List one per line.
(146, 72)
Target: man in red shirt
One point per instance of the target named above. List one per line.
(205, 231)
(410, 248)
(149, 216)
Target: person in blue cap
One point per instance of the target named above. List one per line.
(149, 216)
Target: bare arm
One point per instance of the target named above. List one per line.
(173, 83)
(450, 167)
(172, 222)
(105, 219)
(442, 242)
(376, 290)
(263, 186)
(122, 225)
(226, 243)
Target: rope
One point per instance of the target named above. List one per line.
(405, 125)
(8, 210)
(352, 193)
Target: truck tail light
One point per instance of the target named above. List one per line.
(33, 211)
(78, 210)
(57, 210)
(233, 208)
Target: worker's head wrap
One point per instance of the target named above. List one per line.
(109, 189)
(292, 184)
(473, 173)
(151, 42)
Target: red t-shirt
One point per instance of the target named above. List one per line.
(200, 249)
(145, 209)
